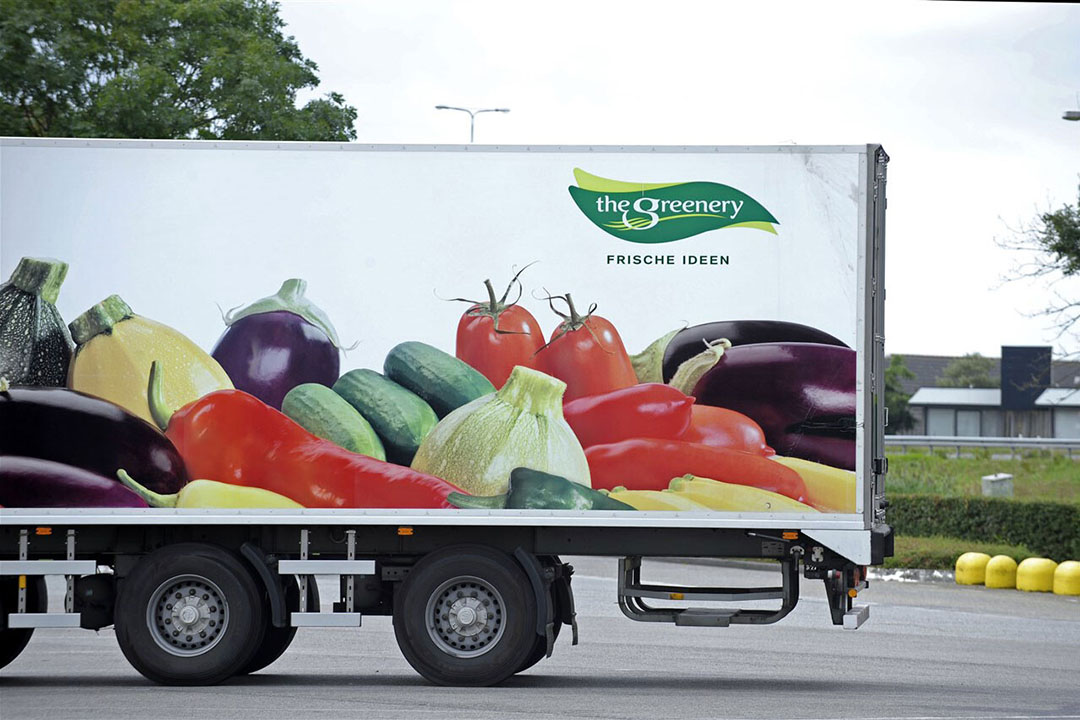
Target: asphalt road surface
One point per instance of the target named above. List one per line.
(929, 650)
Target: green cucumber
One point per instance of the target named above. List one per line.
(444, 381)
(324, 413)
(400, 418)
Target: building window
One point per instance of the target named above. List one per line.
(967, 423)
(940, 422)
(1067, 423)
(991, 423)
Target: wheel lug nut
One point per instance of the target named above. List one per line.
(188, 638)
(191, 591)
(213, 608)
(202, 634)
(212, 623)
(175, 633)
(178, 596)
(168, 621)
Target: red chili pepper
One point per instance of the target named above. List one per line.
(586, 353)
(233, 437)
(646, 410)
(723, 428)
(495, 336)
(650, 464)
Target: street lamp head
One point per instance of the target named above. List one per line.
(1071, 115)
(472, 115)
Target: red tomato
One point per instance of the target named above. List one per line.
(720, 427)
(495, 336)
(587, 354)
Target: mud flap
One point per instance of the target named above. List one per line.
(564, 599)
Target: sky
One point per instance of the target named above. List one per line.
(967, 99)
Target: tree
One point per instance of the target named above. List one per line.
(896, 400)
(970, 371)
(1052, 244)
(207, 69)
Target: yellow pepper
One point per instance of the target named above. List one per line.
(210, 494)
(828, 489)
(716, 495)
(116, 348)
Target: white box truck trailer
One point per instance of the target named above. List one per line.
(688, 362)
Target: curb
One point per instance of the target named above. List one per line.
(912, 575)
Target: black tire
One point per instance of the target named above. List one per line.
(277, 639)
(228, 611)
(539, 651)
(474, 582)
(13, 642)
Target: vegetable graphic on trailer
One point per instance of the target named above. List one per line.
(671, 451)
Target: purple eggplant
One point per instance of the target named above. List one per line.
(801, 394)
(690, 341)
(36, 483)
(277, 343)
(86, 432)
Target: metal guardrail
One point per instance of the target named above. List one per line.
(1013, 444)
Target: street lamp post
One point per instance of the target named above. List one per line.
(472, 115)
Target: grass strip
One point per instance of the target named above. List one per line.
(940, 553)
(1037, 475)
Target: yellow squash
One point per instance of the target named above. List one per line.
(729, 497)
(116, 348)
(829, 489)
(656, 500)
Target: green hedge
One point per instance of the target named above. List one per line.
(1052, 529)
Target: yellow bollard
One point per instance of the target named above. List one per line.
(1067, 578)
(1036, 575)
(971, 568)
(1001, 572)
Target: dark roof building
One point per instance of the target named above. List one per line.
(1038, 397)
(929, 369)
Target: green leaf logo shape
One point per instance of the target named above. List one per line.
(665, 212)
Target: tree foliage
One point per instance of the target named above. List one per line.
(208, 69)
(1051, 245)
(1057, 235)
(896, 400)
(970, 371)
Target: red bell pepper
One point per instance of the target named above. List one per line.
(723, 428)
(233, 437)
(651, 464)
(495, 336)
(646, 410)
(586, 353)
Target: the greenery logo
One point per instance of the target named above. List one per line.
(660, 213)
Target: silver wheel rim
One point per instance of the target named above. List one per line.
(465, 617)
(187, 615)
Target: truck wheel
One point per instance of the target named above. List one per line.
(465, 616)
(189, 614)
(277, 639)
(13, 642)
